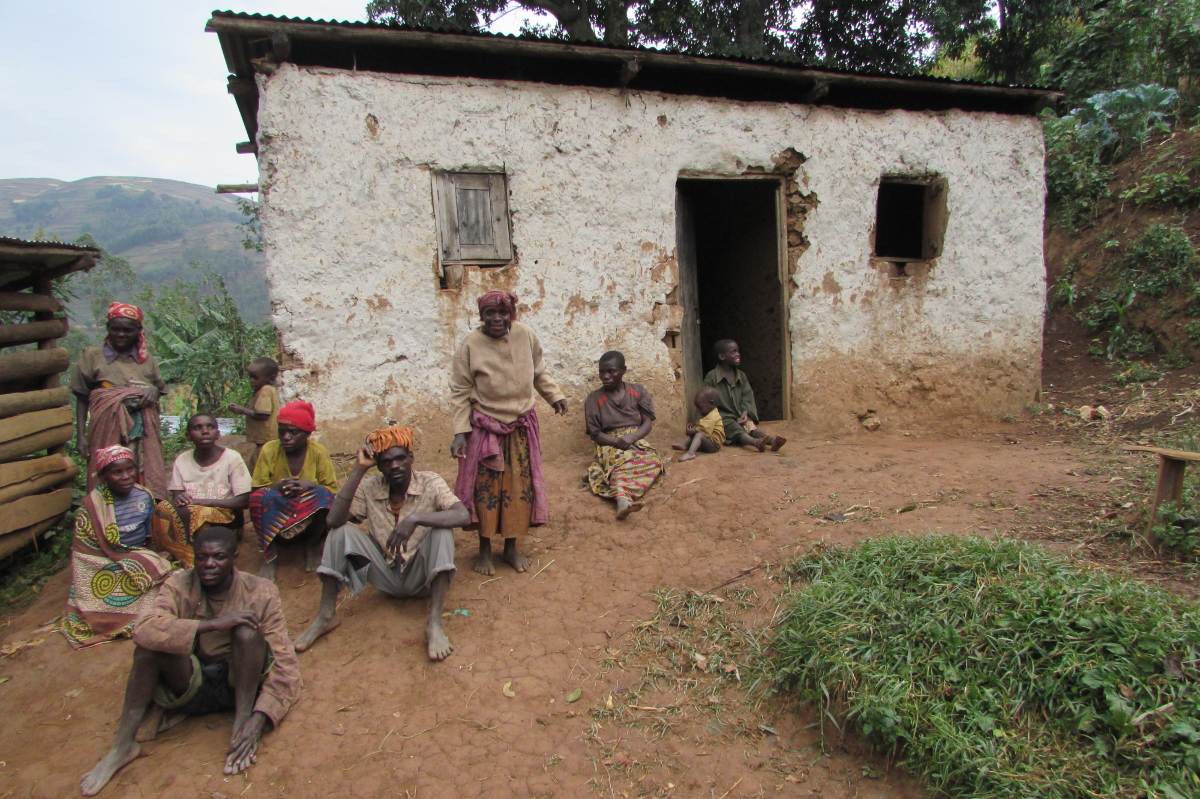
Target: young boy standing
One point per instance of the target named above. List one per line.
(262, 415)
(708, 434)
(735, 399)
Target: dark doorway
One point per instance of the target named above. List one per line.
(731, 283)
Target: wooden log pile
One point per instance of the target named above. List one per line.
(36, 419)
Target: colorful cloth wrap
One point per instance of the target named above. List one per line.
(121, 310)
(113, 425)
(387, 437)
(110, 455)
(483, 449)
(171, 534)
(299, 414)
(616, 472)
(505, 298)
(277, 516)
(111, 584)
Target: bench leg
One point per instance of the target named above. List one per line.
(1168, 489)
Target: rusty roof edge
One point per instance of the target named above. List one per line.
(232, 25)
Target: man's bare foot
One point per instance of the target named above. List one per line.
(319, 627)
(148, 729)
(513, 558)
(687, 456)
(777, 443)
(626, 508)
(94, 781)
(761, 443)
(679, 447)
(439, 644)
(267, 571)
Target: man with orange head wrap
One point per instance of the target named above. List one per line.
(407, 549)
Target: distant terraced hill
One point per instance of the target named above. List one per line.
(160, 226)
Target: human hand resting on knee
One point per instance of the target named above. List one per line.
(229, 621)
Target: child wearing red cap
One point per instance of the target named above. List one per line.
(294, 485)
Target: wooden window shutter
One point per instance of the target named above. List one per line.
(471, 209)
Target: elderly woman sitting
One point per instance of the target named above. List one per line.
(114, 577)
(619, 416)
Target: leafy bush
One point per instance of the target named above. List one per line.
(1178, 528)
(202, 341)
(1136, 373)
(1163, 188)
(1159, 260)
(1076, 181)
(998, 669)
(1111, 123)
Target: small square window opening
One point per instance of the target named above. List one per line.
(471, 210)
(910, 219)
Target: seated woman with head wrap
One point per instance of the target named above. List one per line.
(118, 385)
(497, 375)
(114, 577)
(294, 483)
(619, 416)
(401, 543)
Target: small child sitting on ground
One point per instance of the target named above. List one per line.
(708, 434)
(735, 399)
(262, 415)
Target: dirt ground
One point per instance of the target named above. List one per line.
(377, 719)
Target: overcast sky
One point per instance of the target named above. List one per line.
(128, 87)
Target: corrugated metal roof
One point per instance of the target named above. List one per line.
(775, 62)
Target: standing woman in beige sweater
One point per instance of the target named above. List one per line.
(498, 372)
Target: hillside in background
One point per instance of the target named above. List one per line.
(159, 226)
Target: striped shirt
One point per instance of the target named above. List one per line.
(133, 512)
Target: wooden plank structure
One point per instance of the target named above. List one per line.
(36, 420)
(1169, 488)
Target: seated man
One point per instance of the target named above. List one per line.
(408, 549)
(214, 639)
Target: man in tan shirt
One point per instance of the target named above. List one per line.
(215, 639)
(495, 379)
(408, 547)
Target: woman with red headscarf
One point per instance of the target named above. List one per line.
(114, 573)
(118, 385)
(497, 375)
(294, 485)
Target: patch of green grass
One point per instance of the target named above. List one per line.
(1136, 373)
(999, 670)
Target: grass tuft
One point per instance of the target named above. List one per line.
(997, 669)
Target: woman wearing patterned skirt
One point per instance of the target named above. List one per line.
(619, 416)
(114, 577)
(497, 375)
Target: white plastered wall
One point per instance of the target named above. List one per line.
(348, 216)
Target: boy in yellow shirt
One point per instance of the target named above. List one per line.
(262, 415)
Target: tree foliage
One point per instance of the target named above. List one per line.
(202, 342)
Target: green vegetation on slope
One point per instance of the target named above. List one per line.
(999, 670)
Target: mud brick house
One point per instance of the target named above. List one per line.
(873, 242)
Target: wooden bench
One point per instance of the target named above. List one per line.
(1169, 488)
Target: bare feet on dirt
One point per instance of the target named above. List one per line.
(626, 507)
(513, 558)
(687, 456)
(483, 563)
(94, 781)
(777, 443)
(319, 627)
(679, 447)
(439, 644)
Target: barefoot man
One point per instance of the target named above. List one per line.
(214, 639)
(497, 375)
(408, 548)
